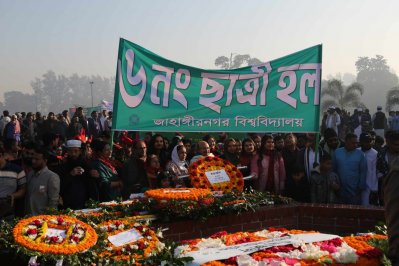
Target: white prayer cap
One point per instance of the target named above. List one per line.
(73, 143)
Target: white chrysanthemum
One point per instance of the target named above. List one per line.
(345, 254)
(309, 252)
(32, 236)
(183, 249)
(246, 260)
(134, 247)
(296, 243)
(210, 243)
(160, 246)
(104, 228)
(121, 226)
(267, 234)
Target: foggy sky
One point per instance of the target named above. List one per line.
(82, 36)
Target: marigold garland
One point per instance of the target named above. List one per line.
(133, 251)
(194, 194)
(198, 177)
(31, 233)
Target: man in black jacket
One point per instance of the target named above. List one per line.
(77, 183)
(134, 175)
(379, 122)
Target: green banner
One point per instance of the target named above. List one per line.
(156, 94)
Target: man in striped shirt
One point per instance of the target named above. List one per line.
(12, 186)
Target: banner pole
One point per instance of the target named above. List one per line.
(318, 114)
(112, 140)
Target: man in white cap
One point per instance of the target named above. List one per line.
(77, 183)
(333, 119)
(379, 121)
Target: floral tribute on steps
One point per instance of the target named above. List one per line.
(54, 234)
(282, 247)
(216, 174)
(129, 241)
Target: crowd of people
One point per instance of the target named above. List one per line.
(60, 161)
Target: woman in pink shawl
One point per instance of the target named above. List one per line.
(267, 168)
(13, 129)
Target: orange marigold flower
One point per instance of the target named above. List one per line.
(69, 245)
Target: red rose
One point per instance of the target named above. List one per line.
(118, 223)
(32, 232)
(141, 245)
(37, 222)
(60, 220)
(140, 228)
(75, 238)
(118, 252)
(219, 234)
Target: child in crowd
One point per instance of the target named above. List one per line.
(324, 183)
(153, 168)
(164, 180)
(299, 189)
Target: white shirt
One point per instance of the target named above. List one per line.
(3, 122)
(102, 121)
(371, 177)
(333, 121)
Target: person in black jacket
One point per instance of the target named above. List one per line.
(134, 176)
(77, 180)
(308, 158)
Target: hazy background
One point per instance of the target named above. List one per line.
(74, 42)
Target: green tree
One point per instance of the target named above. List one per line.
(58, 92)
(376, 77)
(392, 98)
(236, 61)
(16, 101)
(334, 93)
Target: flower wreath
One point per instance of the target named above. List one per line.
(199, 179)
(353, 250)
(165, 194)
(35, 233)
(134, 251)
(115, 203)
